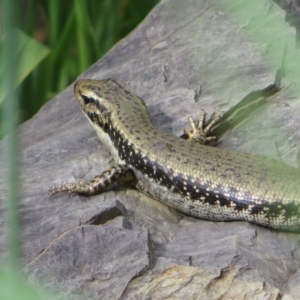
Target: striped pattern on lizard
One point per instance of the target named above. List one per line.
(196, 179)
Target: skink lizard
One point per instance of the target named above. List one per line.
(196, 179)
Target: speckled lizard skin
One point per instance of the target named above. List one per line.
(196, 179)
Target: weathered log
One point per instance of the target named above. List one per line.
(185, 56)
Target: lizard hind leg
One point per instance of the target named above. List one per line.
(97, 185)
(199, 130)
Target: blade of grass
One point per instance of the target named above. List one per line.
(9, 113)
(65, 39)
(54, 7)
(82, 33)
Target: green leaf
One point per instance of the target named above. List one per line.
(13, 287)
(29, 55)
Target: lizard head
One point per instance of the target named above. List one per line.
(112, 110)
(94, 98)
(103, 101)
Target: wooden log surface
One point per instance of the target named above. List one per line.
(185, 56)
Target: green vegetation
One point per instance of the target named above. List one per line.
(61, 39)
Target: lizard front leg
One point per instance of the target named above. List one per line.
(98, 184)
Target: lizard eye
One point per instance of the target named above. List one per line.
(87, 100)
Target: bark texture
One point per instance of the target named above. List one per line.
(185, 56)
